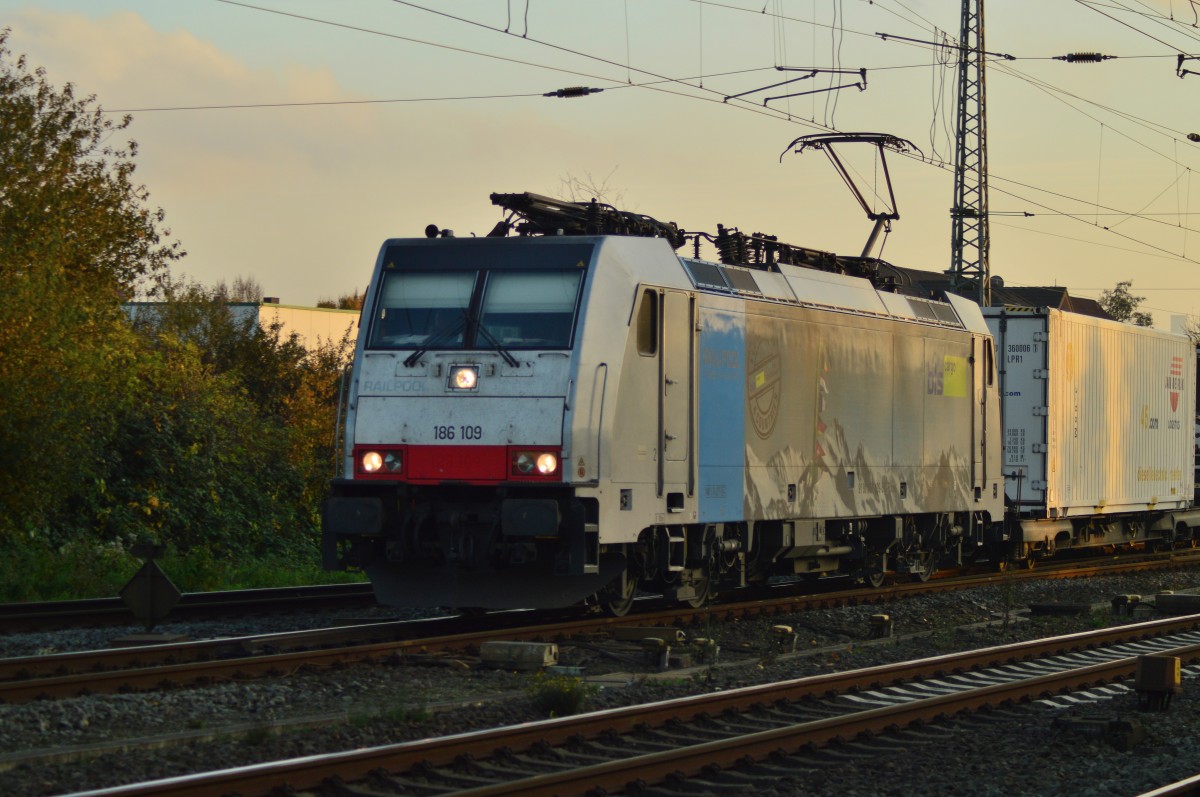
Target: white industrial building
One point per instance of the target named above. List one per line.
(312, 325)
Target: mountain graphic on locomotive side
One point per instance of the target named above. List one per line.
(576, 412)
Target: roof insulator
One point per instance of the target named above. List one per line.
(1083, 58)
(572, 91)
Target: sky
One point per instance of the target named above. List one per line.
(374, 118)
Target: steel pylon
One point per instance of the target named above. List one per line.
(969, 272)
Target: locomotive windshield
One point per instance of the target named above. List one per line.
(476, 309)
(417, 307)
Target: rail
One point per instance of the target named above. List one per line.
(94, 612)
(146, 667)
(675, 738)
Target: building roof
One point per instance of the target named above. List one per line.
(312, 325)
(932, 284)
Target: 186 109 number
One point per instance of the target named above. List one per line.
(458, 432)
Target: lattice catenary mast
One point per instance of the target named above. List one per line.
(969, 273)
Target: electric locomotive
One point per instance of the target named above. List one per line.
(576, 412)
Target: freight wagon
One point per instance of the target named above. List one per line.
(1099, 418)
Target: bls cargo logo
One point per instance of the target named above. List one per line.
(948, 376)
(1175, 382)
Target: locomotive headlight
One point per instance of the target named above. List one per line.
(372, 461)
(534, 463)
(464, 377)
(392, 461)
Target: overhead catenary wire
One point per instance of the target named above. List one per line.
(541, 42)
(1151, 13)
(1173, 184)
(1094, 7)
(1059, 93)
(318, 103)
(1173, 25)
(412, 40)
(1083, 202)
(1109, 230)
(880, 4)
(652, 85)
(660, 78)
(835, 30)
(1113, 247)
(537, 65)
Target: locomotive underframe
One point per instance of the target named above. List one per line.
(468, 545)
(1041, 538)
(689, 562)
(465, 545)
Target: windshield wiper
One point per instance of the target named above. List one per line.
(436, 338)
(503, 352)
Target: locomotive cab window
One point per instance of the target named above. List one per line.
(532, 309)
(416, 308)
(476, 309)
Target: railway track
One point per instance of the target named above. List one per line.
(1187, 786)
(150, 667)
(101, 612)
(727, 742)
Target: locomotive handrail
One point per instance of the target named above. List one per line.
(339, 421)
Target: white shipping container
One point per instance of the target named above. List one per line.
(1098, 415)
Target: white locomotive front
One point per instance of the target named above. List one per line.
(454, 491)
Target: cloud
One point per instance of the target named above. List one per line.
(130, 65)
(301, 198)
(272, 193)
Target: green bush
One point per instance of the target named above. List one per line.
(190, 427)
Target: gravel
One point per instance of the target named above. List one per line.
(234, 723)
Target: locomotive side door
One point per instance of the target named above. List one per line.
(981, 373)
(675, 411)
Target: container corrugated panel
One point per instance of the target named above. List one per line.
(1098, 414)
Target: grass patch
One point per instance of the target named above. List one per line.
(39, 572)
(560, 695)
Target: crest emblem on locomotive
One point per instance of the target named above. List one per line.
(763, 386)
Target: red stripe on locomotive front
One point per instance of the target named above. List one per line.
(456, 463)
(470, 464)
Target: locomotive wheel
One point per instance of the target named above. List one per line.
(876, 579)
(615, 601)
(926, 570)
(704, 593)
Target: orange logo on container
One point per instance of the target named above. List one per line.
(1175, 382)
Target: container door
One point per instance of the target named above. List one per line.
(675, 397)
